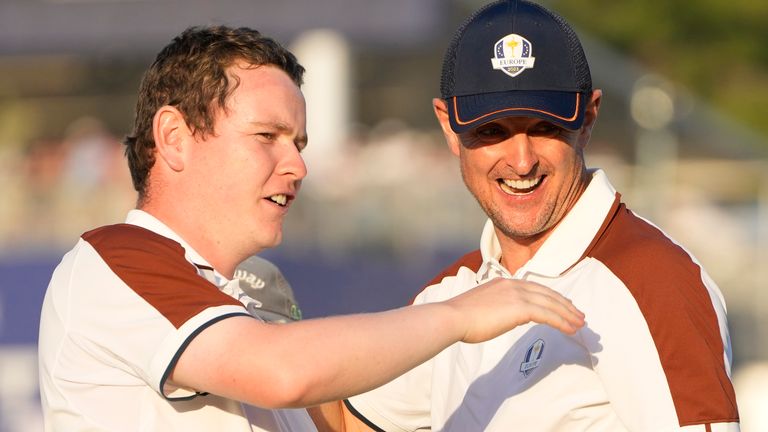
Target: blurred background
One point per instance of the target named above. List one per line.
(682, 134)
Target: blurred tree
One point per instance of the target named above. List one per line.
(716, 49)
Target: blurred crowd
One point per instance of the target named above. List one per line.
(54, 188)
(390, 189)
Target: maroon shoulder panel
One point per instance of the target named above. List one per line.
(669, 291)
(472, 260)
(155, 268)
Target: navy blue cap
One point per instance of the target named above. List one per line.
(515, 58)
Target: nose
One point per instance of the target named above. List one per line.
(519, 153)
(292, 163)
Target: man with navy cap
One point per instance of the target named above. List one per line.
(517, 108)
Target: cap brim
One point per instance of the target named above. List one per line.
(565, 109)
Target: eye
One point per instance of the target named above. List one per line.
(545, 129)
(266, 136)
(490, 132)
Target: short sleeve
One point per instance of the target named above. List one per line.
(136, 303)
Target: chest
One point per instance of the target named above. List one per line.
(514, 380)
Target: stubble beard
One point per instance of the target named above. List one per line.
(523, 228)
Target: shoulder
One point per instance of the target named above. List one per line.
(681, 308)
(129, 249)
(472, 261)
(156, 268)
(652, 266)
(469, 262)
(669, 286)
(130, 238)
(632, 246)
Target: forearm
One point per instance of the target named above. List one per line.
(343, 356)
(314, 361)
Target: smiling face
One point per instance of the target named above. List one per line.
(526, 173)
(245, 175)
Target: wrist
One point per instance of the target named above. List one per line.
(451, 321)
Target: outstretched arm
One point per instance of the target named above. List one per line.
(315, 361)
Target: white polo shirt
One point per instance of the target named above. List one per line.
(120, 308)
(654, 355)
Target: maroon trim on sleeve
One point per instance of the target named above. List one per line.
(669, 291)
(155, 268)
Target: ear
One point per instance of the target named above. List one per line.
(441, 112)
(590, 116)
(170, 130)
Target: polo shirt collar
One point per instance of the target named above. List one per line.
(145, 220)
(567, 243)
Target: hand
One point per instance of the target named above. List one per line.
(500, 305)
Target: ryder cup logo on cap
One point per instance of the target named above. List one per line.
(554, 84)
(512, 55)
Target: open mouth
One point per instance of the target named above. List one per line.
(279, 199)
(520, 187)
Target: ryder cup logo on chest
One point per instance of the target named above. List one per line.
(512, 54)
(532, 357)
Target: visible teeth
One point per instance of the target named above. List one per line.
(520, 186)
(279, 198)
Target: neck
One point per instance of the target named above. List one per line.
(515, 252)
(192, 231)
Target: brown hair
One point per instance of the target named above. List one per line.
(190, 74)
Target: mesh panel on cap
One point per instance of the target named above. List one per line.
(578, 58)
(447, 81)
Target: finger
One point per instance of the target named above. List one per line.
(552, 302)
(553, 296)
(569, 312)
(556, 318)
